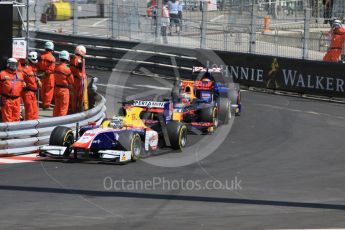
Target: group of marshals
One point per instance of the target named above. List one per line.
(64, 81)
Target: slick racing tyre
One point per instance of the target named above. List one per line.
(224, 106)
(62, 136)
(209, 114)
(131, 142)
(238, 110)
(177, 133)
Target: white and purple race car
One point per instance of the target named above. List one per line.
(144, 126)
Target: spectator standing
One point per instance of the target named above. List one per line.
(154, 15)
(327, 10)
(180, 11)
(165, 20)
(174, 19)
(11, 87)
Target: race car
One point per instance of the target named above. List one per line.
(203, 103)
(143, 126)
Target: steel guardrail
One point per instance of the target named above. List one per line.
(26, 136)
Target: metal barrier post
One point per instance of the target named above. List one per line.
(75, 17)
(158, 21)
(37, 16)
(252, 45)
(27, 27)
(226, 37)
(306, 36)
(114, 20)
(204, 25)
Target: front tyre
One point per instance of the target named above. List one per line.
(177, 133)
(62, 136)
(131, 142)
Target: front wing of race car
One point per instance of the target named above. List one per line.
(105, 155)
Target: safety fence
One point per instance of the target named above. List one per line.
(303, 77)
(289, 28)
(27, 136)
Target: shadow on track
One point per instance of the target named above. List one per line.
(174, 197)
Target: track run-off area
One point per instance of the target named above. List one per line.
(281, 166)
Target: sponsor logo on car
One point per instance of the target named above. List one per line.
(149, 104)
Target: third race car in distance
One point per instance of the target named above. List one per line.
(206, 102)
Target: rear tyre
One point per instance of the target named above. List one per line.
(224, 106)
(238, 111)
(131, 142)
(209, 114)
(177, 133)
(62, 136)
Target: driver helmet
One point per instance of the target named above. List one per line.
(116, 122)
(186, 97)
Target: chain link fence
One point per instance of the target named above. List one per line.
(287, 28)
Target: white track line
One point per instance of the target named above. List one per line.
(300, 111)
(154, 87)
(115, 86)
(217, 18)
(99, 22)
(16, 159)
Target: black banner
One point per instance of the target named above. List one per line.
(6, 24)
(286, 74)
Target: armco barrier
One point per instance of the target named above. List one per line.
(27, 136)
(265, 72)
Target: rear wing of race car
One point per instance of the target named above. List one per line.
(160, 107)
(149, 104)
(200, 69)
(164, 109)
(214, 74)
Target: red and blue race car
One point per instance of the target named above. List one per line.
(205, 103)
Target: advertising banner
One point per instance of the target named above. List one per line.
(285, 74)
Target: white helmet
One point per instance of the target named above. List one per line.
(49, 46)
(186, 96)
(117, 122)
(336, 23)
(33, 57)
(12, 63)
(64, 55)
(80, 50)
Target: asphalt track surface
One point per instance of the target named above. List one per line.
(286, 153)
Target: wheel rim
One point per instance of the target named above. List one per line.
(183, 140)
(229, 110)
(215, 118)
(69, 140)
(137, 147)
